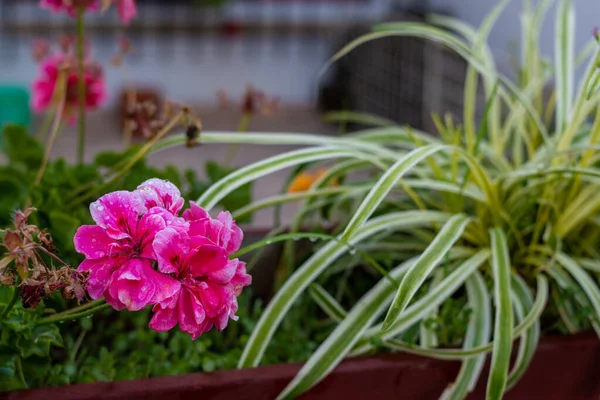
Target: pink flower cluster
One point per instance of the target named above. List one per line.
(141, 252)
(45, 85)
(126, 8)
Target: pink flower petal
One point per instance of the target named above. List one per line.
(166, 318)
(137, 284)
(170, 246)
(101, 271)
(118, 213)
(93, 242)
(195, 212)
(215, 297)
(210, 261)
(160, 193)
(230, 235)
(241, 279)
(147, 228)
(191, 312)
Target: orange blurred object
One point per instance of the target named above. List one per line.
(304, 180)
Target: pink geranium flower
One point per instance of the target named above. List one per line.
(69, 6)
(46, 84)
(159, 193)
(210, 281)
(119, 251)
(223, 230)
(140, 252)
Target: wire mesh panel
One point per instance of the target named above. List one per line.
(403, 79)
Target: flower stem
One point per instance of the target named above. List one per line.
(54, 133)
(233, 148)
(71, 315)
(136, 157)
(81, 83)
(10, 305)
(20, 372)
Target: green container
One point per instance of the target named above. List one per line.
(14, 106)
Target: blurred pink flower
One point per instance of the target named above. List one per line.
(69, 6)
(119, 251)
(45, 85)
(127, 10)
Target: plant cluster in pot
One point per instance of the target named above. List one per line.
(460, 249)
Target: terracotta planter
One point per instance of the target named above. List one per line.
(563, 368)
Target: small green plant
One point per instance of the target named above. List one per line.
(496, 219)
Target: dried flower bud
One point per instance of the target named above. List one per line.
(12, 240)
(192, 133)
(31, 295)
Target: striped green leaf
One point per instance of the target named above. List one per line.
(385, 184)
(523, 302)
(437, 249)
(313, 267)
(269, 165)
(460, 354)
(585, 281)
(503, 324)
(357, 118)
(478, 334)
(563, 60)
(420, 308)
(341, 340)
(327, 303)
(290, 197)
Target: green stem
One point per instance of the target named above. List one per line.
(10, 305)
(77, 345)
(81, 83)
(233, 148)
(69, 317)
(20, 372)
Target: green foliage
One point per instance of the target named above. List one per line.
(125, 348)
(524, 176)
(25, 347)
(61, 208)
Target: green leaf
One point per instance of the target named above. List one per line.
(420, 308)
(39, 343)
(563, 62)
(503, 325)
(385, 184)
(9, 379)
(478, 334)
(443, 242)
(231, 182)
(291, 138)
(459, 354)
(63, 228)
(22, 148)
(327, 303)
(12, 193)
(589, 286)
(312, 268)
(523, 301)
(357, 118)
(341, 340)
